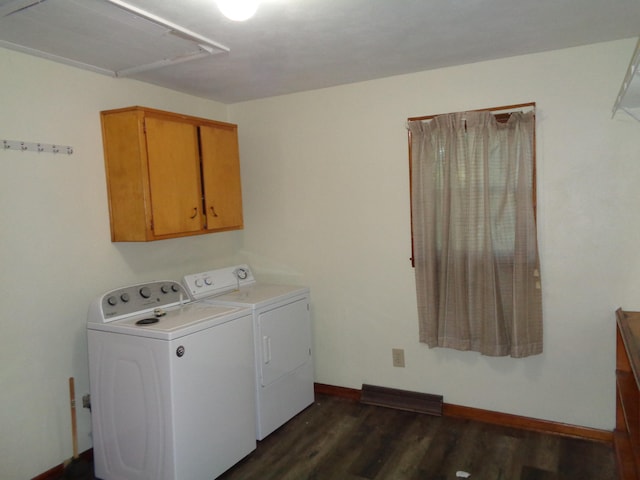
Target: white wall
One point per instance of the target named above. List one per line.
(325, 178)
(55, 249)
(325, 187)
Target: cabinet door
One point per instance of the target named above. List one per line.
(221, 177)
(174, 176)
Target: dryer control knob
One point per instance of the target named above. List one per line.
(124, 297)
(112, 301)
(208, 281)
(145, 292)
(242, 273)
(199, 283)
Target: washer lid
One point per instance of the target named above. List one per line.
(175, 323)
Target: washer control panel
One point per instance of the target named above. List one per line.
(152, 296)
(216, 282)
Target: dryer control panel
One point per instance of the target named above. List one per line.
(217, 282)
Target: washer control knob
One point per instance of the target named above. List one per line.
(145, 292)
(199, 283)
(124, 297)
(175, 288)
(112, 301)
(208, 280)
(165, 289)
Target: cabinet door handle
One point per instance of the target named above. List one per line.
(195, 212)
(213, 211)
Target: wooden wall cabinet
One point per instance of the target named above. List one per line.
(627, 433)
(170, 175)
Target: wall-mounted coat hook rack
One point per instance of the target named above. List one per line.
(36, 147)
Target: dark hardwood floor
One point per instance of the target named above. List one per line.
(338, 439)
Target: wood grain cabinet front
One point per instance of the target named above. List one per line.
(170, 175)
(626, 437)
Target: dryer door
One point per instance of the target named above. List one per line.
(284, 340)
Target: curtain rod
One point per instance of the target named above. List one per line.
(493, 109)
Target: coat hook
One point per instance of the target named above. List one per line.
(36, 147)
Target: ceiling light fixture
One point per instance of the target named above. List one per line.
(238, 10)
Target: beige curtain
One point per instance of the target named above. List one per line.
(474, 231)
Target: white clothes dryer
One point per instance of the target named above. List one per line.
(172, 384)
(282, 338)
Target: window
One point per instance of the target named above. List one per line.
(474, 235)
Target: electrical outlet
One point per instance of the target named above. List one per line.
(398, 357)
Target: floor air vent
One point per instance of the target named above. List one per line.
(402, 399)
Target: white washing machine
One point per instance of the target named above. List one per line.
(282, 335)
(172, 384)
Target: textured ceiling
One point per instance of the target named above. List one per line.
(297, 45)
